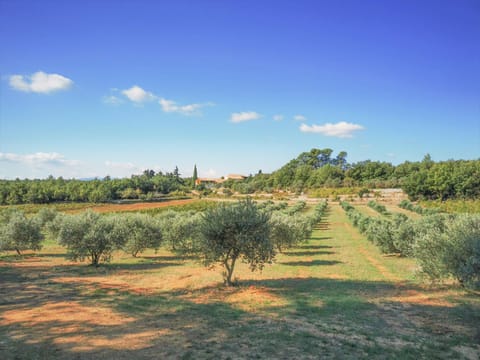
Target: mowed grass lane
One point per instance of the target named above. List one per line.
(333, 297)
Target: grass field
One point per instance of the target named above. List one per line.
(334, 297)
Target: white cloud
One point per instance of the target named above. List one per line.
(38, 158)
(112, 100)
(40, 82)
(244, 116)
(138, 95)
(299, 118)
(172, 106)
(277, 117)
(341, 129)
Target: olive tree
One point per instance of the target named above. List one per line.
(18, 232)
(142, 232)
(453, 251)
(91, 235)
(289, 230)
(46, 215)
(231, 232)
(182, 231)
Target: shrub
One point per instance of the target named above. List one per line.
(181, 231)
(18, 232)
(143, 232)
(46, 215)
(452, 251)
(93, 236)
(382, 233)
(287, 231)
(378, 207)
(299, 206)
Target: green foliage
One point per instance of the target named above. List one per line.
(451, 251)
(471, 206)
(363, 191)
(236, 231)
(407, 205)
(378, 207)
(18, 232)
(298, 207)
(52, 190)
(316, 171)
(46, 215)
(443, 180)
(346, 206)
(289, 230)
(143, 232)
(181, 231)
(93, 236)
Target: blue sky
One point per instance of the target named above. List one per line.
(90, 88)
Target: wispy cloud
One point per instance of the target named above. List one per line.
(341, 129)
(138, 95)
(39, 158)
(40, 82)
(244, 116)
(299, 118)
(189, 109)
(112, 100)
(278, 117)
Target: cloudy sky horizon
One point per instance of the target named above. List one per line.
(89, 89)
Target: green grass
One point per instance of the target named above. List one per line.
(454, 206)
(335, 297)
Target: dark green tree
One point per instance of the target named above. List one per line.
(195, 175)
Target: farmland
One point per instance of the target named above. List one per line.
(335, 296)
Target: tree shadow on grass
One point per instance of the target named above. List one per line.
(321, 238)
(311, 263)
(335, 318)
(307, 253)
(315, 247)
(172, 257)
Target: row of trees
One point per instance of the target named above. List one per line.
(223, 234)
(309, 171)
(420, 180)
(144, 186)
(445, 246)
(407, 205)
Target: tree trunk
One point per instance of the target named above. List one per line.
(95, 260)
(18, 251)
(227, 279)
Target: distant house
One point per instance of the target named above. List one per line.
(208, 181)
(214, 181)
(235, 177)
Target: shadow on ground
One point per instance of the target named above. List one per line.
(287, 318)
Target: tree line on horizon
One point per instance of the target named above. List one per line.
(426, 179)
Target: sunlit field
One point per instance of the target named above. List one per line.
(335, 296)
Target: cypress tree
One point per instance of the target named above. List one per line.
(195, 175)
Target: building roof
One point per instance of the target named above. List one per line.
(235, 177)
